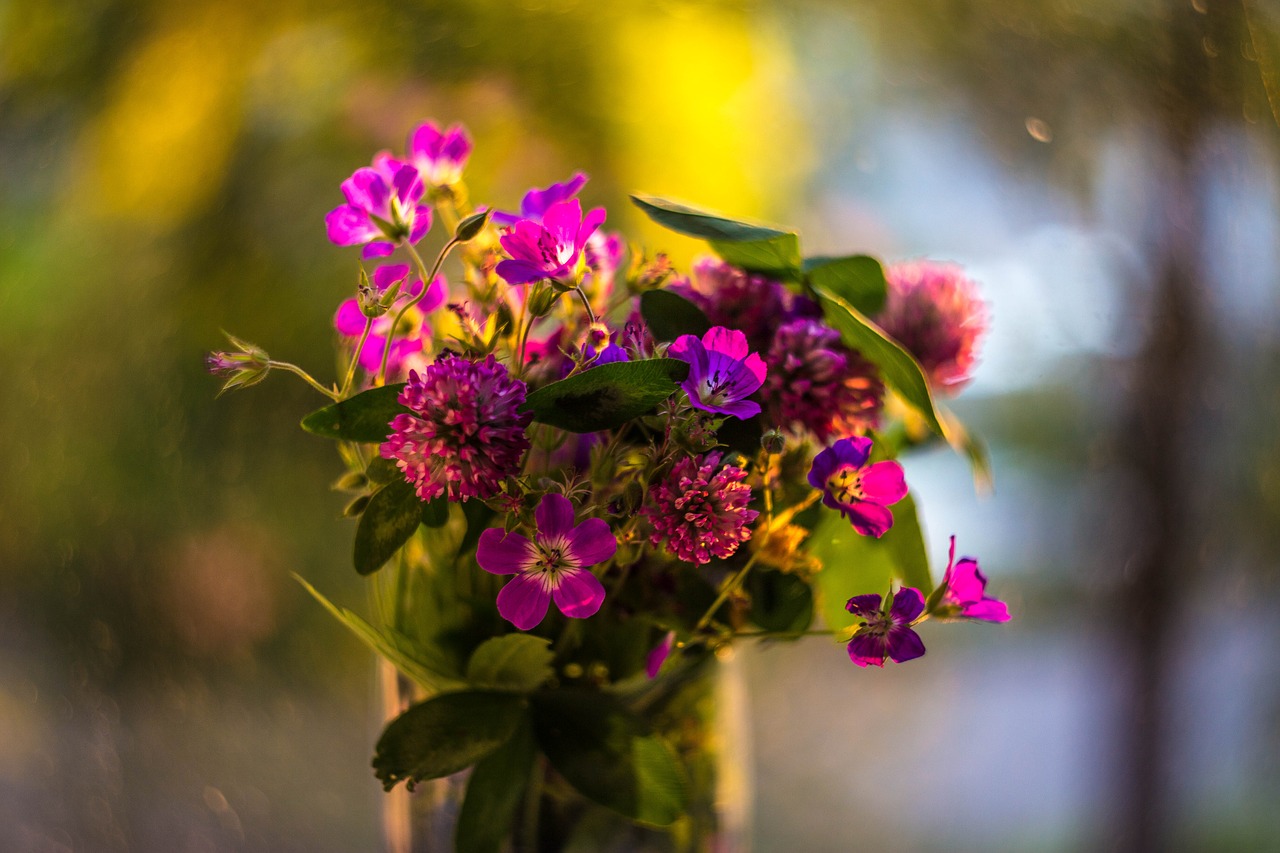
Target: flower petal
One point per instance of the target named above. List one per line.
(731, 342)
(852, 451)
(593, 220)
(348, 225)
(457, 144)
(501, 553)
(536, 201)
(868, 650)
(523, 602)
(866, 605)
(349, 320)
(379, 249)
(421, 223)
(659, 655)
(425, 143)
(562, 220)
(437, 293)
(967, 583)
(408, 186)
(869, 519)
(579, 594)
(907, 604)
(987, 610)
(904, 645)
(592, 542)
(883, 482)
(367, 190)
(554, 516)
(519, 272)
(824, 464)
(388, 274)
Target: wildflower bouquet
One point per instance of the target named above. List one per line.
(582, 474)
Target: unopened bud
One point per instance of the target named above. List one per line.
(597, 337)
(542, 300)
(248, 365)
(471, 226)
(352, 481)
(773, 442)
(369, 299)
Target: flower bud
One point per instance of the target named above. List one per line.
(372, 303)
(249, 365)
(471, 226)
(597, 337)
(773, 442)
(542, 299)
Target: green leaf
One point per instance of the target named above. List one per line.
(493, 794)
(393, 514)
(900, 370)
(364, 417)
(396, 648)
(778, 257)
(435, 512)
(609, 755)
(607, 396)
(756, 248)
(445, 734)
(780, 601)
(853, 564)
(519, 662)
(857, 279)
(669, 315)
(382, 471)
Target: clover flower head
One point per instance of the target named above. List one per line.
(882, 635)
(818, 384)
(699, 510)
(933, 310)
(736, 299)
(860, 492)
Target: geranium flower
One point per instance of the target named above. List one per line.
(382, 208)
(415, 329)
(886, 635)
(555, 565)
(537, 202)
(700, 509)
(722, 373)
(552, 248)
(964, 593)
(860, 492)
(439, 156)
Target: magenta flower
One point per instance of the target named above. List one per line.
(466, 432)
(934, 311)
(886, 635)
(537, 202)
(415, 330)
(861, 492)
(555, 565)
(658, 656)
(818, 384)
(701, 512)
(964, 593)
(551, 249)
(382, 208)
(722, 373)
(439, 156)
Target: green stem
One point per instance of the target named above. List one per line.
(586, 303)
(293, 368)
(355, 358)
(532, 804)
(427, 278)
(725, 591)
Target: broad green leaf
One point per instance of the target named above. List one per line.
(396, 648)
(519, 662)
(382, 471)
(778, 257)
(757, 248)
(853, 564)
(609, 755)
(857, 279)
(364, 417)
(493, 794)
(669, 315)
(607, 396)
(445, 734)
(393, 514)
(900, 370)
(435, 513)
(780, 601)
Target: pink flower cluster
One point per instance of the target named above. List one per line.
(699, 510)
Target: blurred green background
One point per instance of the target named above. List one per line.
(1106, 168)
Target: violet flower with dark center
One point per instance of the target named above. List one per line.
(382, 208)
(439, 155)
(722, 372)
(552, 248)
(859, 491)
(554, 565)
(886, 635)
(964, 593)
(413, 334)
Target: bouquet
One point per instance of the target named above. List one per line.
(580, 474)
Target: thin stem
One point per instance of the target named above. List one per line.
(293, 368)
(586, 303)
(355, 358)
(427, 278)
(532, 805)
(732, 584)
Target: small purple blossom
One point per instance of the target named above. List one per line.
(552, 248)
(934, 311)
(465, 434)
(722, 373)
(700, 509)
(964, 593)
(439, 156)
(382, 208)
(537, 202)
(555, 565)
(415, 329)
(886, 635)
(658, 656)
(861, 492)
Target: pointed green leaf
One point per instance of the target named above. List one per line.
(607, 396)
(364, 417)
(973, 448)
(669, 315)
(445, 734)
(756, 248)
(609, 755)
(493, 794)
(519, 662)
(393, 514)
(857, 279)
(778, 257)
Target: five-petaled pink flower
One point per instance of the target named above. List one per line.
(861, 492)
(439, 155)
(552, 248)
(382, 208)
(884, 635)
(722, 371)
(555, 564)
(964, 593)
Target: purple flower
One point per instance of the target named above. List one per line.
(722, 373)
(537, 202)
(382, 208)
(465, 434)
(964, 593)
(555, 565)
(861, 492)
(700, 512)
(552, 248)
(415, 330)
(818, 384)
(934, 311)
(658, 656)
(886, 635)
(439, 156)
